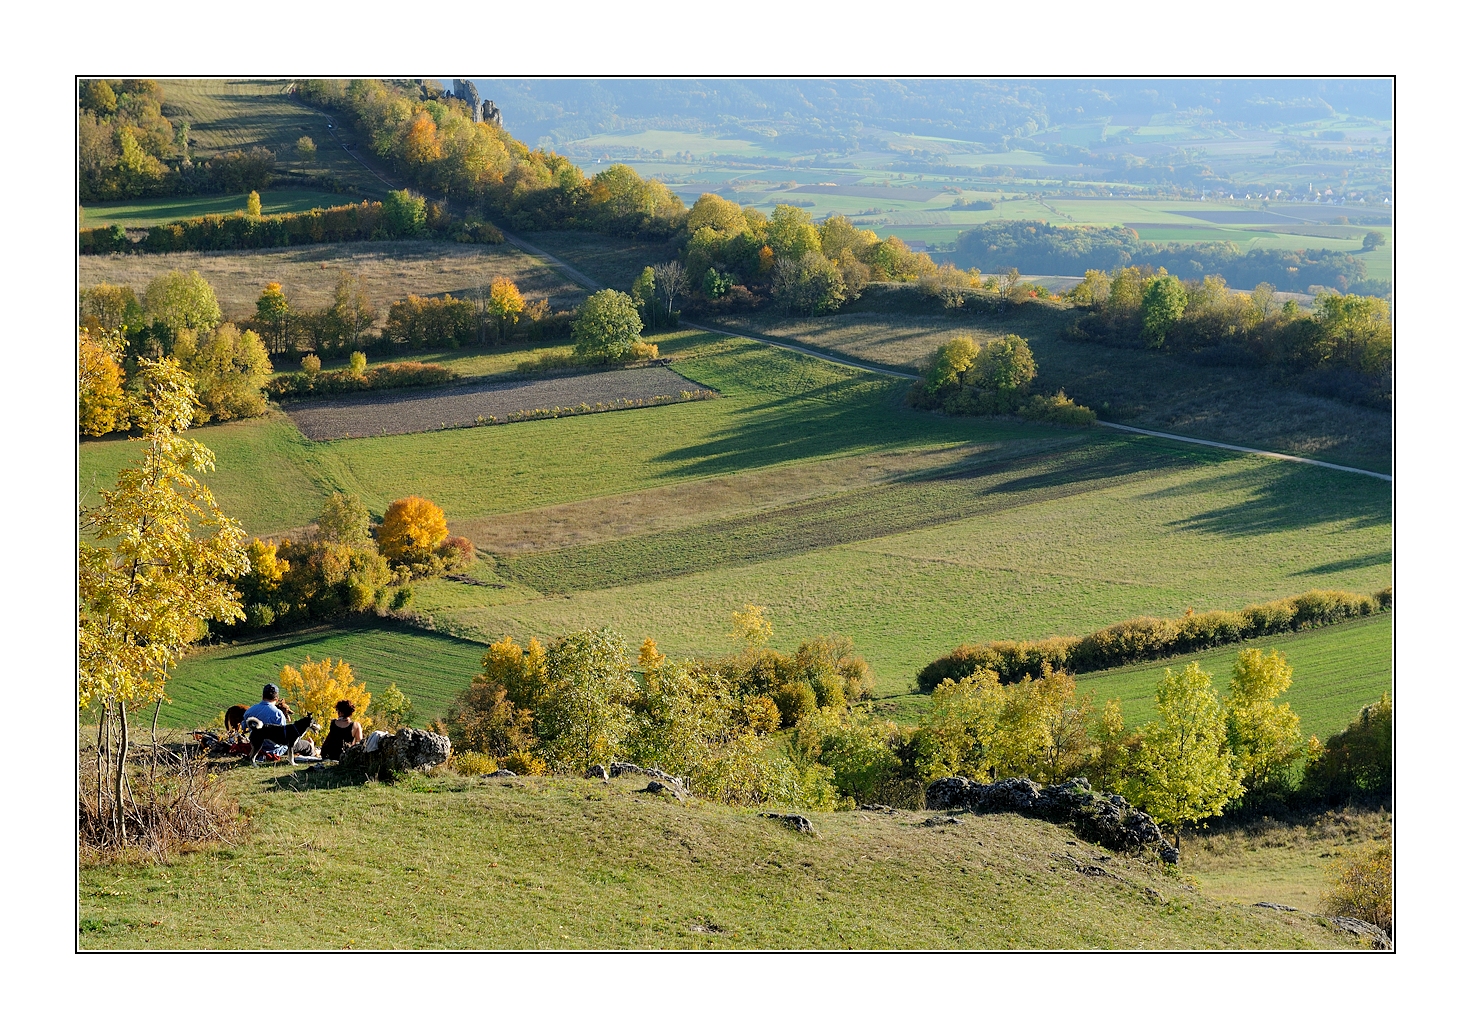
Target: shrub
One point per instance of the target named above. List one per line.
(1363, 888)
(471, 762)
(642, 351)
(761, 715)
(390, 708)
(311, 364)
(860, 751)
(1058, 409)
(455, 552)
(357, 363)
(795, 699)
(524, 763)
(1358, 762)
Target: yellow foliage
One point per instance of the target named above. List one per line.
(644, 351)
(472, 762)
(525, 763)
(649, 658)
(1363, 888)
(411, 529)
(751, 625)
(102, 407)
(761, 714)
(316, 688)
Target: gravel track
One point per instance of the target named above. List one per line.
(421, 411)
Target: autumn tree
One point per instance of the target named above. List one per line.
(315, 688)
(950, 364)
(252, 205)
(1265, 738)
(1004, 365)
(750, 626)
(810, 284)
(412, 528)
(791, 234)
(1183, 771)
(505, 305)
(114, 307)
(306, 149)
(273, 312)
(606, 327)
(102, 406)
(155, 563)
(229, 368)
(1161, 305)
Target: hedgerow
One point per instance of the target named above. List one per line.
(1145, 639)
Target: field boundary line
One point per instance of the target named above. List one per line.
(772, 341)
(1245, 450)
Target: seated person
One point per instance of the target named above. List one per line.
(342, 732)
(269, 710)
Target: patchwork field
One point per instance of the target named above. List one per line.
(406, 411)
(390, 269)
(142, 213)
(809, 488)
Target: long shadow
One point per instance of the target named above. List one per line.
(1285, 497)
(1350, 564)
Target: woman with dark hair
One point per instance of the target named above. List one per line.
(342, 732)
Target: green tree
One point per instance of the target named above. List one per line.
(1357, 331)
(1265, 738)
(97, 96)
(1182, 771)
(352, 308)
(273, 311)
(1373, 240)
(229, 369)
(178, 301)
(582, 716)
(606, 327)
(155, 562)
(950, 364)
(810, 284)
(1161, 305)
(644, 294)
(791, 233)
(403, 214)
(306, 149)
(114, 307)
(345, 519)
(1004, 365)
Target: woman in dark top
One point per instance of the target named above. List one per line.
(342, 733)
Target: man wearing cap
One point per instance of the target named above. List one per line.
(267, 710)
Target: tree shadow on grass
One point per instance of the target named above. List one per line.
(1284, 497)
(1383, 557)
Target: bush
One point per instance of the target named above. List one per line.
(311, 364)
(390, 708)
(795, 699)
(471, 762)
(316, 687)
(394, 375)
(1363, 888)
(1355, 763)
(524, 763)
(1058, 409)
(1145, 639)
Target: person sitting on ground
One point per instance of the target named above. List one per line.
(269, 710)
(342, 732)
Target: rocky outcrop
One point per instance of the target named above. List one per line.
(408, 750)
(1109, 820)
(1364, 931)
(797, 822)
(598, 772)
(618, 768)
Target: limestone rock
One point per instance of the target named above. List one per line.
(629, 768)
(663, 789)
(405, 751)
(1364, 930)
(598, 772)
(1105, 819)
(797, 822)
(499, 773)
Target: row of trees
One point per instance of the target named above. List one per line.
(347, 565)
(1206, 321)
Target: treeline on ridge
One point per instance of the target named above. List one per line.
(1147, 639)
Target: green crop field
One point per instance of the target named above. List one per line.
(844, 512)
(155, 211)
(563, 864)
(429, 668)
(1335, 671)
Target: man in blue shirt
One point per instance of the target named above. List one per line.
(266, 710)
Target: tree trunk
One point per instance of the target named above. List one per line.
(101, 742)
(117, 782)
(153, 768)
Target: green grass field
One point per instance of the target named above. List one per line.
(809, 488)
(155, 211)
(565, 864)
(429, 668)
(1335, 671)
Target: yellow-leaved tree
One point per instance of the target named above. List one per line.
(102, 406)
(505, 305)
(155, 562)
(411, 529)
(316, 687)
(751, 626)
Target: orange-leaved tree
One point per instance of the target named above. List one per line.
(102, 406)
(411, 529)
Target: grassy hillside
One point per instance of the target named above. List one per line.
(1335, 671)
(429, 668)
(811, 489)
(155, 210)
(566, 864)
